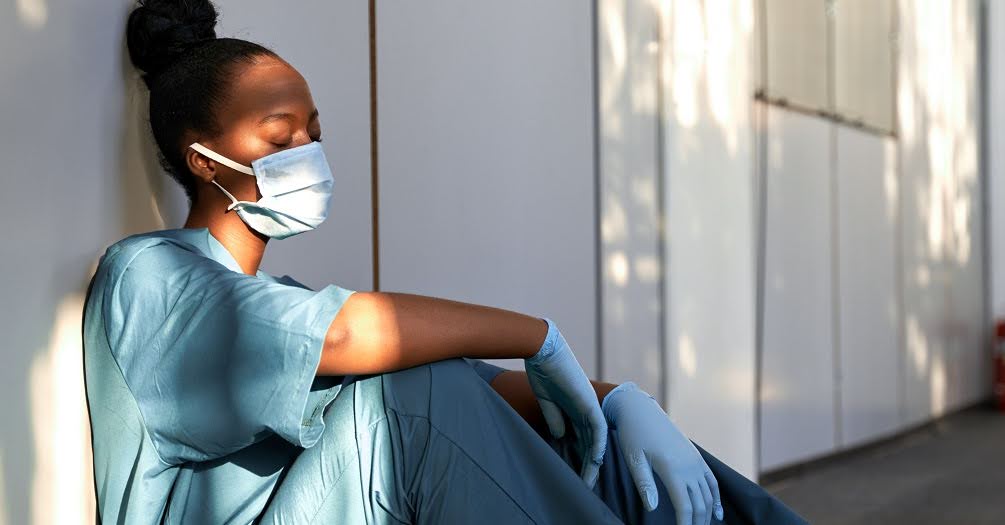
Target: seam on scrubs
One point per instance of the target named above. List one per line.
(341, 474)
(112, 291)
(316, 334)
(466, 455)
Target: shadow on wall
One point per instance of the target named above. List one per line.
(675, 98)
(150, 199)
(628, 55)
(937, 325)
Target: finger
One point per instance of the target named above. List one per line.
(706, 496)
(590, 473)
(681, 501)
(598, 445)
(552, 416)
(713, 486)
(698, 504)
(589, 468)
(642, 475)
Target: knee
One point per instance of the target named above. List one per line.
(415, 390)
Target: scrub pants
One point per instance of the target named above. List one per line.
(436, 444)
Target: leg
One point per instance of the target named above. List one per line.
(430, 444)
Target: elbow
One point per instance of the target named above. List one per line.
(362, 338)
(333, 350)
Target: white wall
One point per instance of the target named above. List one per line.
(869, 358)
(642, 250)
(995, 154)
(677, 236)
(873, 294)
(798, 361)
(80, 174)
(486, 167)
(709, 223)
(941, 209)
(630, 190)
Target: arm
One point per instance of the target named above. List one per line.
(513, 386)
(377, 332)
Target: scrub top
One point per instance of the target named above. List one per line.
(200, 378)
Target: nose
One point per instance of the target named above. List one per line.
(302, 137)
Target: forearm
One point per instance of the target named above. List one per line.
(512, 385)
(377, 332)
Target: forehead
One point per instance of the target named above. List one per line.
(264, 87)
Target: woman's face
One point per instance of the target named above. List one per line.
(269, 109)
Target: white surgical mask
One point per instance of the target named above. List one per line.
(296, 186)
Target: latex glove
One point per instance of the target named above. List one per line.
(650, 441)
(561, 386)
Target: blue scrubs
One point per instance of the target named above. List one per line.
(204, 408)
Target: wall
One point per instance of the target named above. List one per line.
(80, 173)
(995, 154)
(606, 165)
(486, 167)
(874, 273)
(677, 213)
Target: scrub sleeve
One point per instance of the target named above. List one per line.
(216, 359)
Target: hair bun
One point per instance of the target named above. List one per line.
(158, 31)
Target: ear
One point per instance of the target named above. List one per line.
(200, 165)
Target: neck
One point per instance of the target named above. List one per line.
(244, 244)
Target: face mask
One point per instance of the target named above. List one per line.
(296, 186)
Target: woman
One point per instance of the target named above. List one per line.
(219, 393)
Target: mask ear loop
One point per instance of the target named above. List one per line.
(221, 159)
(234, 202)
(226, 162)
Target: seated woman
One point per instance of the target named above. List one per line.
(219, 393)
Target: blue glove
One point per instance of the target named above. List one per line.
(647, 437)
(560, 385)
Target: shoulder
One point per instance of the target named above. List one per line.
(151, 271)
(158, 253)
(119, 255)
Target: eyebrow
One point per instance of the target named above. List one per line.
(278, 116)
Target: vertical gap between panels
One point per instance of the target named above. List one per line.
(662, 215)
(760, 115)
(374, 186)
(598, 245)
(835, 216)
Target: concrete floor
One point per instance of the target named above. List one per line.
(951, 472)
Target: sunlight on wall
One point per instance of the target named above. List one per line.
(688, 44)
(614, 223)
(62, 485)
(4, 509)
(647, 268)
(945, 48)
(938, 387)
(617, 265)
(937, 112)
(917, 346)
(33, 13)
(686, 355)
(613, 78)
(706, 61)
(891, 188)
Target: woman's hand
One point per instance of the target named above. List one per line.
(560, 385)
(647, 437)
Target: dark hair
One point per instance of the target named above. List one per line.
(187, 70)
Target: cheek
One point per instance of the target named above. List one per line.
(244, 147)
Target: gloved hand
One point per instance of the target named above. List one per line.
(560, 385)
(646, 436)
